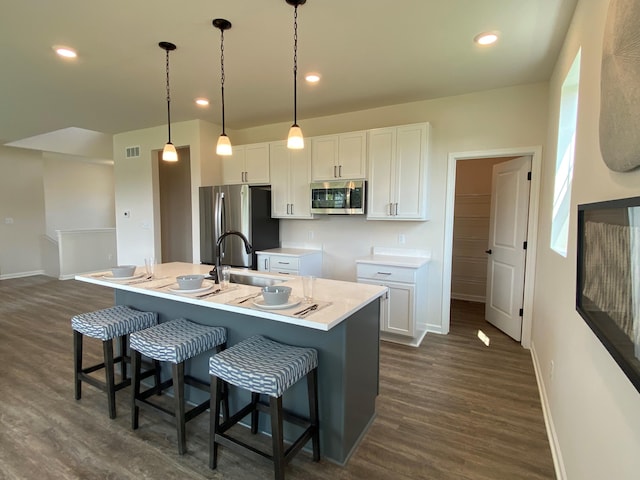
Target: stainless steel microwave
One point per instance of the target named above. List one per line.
(340, 197)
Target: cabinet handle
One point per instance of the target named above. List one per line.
(390, 209)
(284, 263)
(383, 273)
(292, 209)
(266, 264)
(340, 171)
(288, 208)
(396, 210)
(334, 172)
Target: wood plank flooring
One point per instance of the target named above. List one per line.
(451, 409)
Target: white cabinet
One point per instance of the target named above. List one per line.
(290, 179)
(403, 309)
(248, 164)
(292, 261)
(398, 172)
(342, 156)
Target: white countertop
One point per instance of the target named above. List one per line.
(394, 260)
(337, 299)
(293, 252)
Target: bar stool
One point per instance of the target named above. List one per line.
(106, 325)
(264, 367)
(176, 342)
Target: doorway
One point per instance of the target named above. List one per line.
(454, 158)
(174, 200)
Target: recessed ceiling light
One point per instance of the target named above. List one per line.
(202, 102)
(486, 38)
(312, 77)
(65, 52)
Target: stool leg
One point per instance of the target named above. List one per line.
(255, 414)
(136, 359)
(77, 363)
(156, 376)
(312, 388)
(107, 347)
(214, 418)
(275, 404)
(123, 355)
(178, 394)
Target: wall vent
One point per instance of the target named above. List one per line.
(132, 152)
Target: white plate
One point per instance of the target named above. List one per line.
(206, 286)
(109, 276)
(293, 301)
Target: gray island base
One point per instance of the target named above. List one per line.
(345, 334)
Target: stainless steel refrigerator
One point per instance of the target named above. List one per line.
(238, 208)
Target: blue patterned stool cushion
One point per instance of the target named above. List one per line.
(177, 340)
(113, 322)
(263, 366)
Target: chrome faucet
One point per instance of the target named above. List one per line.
(215, 272)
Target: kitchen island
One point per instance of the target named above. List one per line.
(344, 329)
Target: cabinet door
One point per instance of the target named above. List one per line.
(410, 172)
(256, 161)
(352, 155)
(279, 166)
(384, 302)
(263, 262)
(324, 157)
(233, 167)
(382, 146)
(299, 179)
(401, 310)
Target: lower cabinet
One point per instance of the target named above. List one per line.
(290, 261)
(402, 310)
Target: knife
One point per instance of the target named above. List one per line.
(307, 310)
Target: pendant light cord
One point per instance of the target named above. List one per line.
(168, 100)
(295, 65)
(222, 74)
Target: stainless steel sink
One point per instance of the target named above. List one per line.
(254, 280)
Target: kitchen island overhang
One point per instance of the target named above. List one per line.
(345, 332)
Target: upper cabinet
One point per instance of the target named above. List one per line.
(397, 188)
(248, 164)
(290, 178)
(342, 156)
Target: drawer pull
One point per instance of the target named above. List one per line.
(284, 263)
(384, 273)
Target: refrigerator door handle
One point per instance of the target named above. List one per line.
(219, 221)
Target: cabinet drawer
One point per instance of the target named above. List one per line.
(278, 262)
(386, 272)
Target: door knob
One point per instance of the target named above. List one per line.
(488, 251)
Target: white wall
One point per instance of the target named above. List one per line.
(593, 409)
(505, 118)
(77, 194)
(21, 199)
(136, 184)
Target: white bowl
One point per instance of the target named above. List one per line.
(276, 294)
(123, 271)
(189, 282)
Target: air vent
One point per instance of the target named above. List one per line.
(132, 152)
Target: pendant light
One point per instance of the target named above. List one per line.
(169, 153)
(295, 139)
(224, 144)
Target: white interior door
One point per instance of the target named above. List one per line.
(507, 236)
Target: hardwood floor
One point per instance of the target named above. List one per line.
(451, 409)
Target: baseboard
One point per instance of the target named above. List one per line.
(8, 276)
(556, 453)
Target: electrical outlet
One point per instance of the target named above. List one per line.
(311, 234)
(401, 239)
(8, 221)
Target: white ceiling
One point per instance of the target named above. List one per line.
(369, 52)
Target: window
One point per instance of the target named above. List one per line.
(565, 158)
